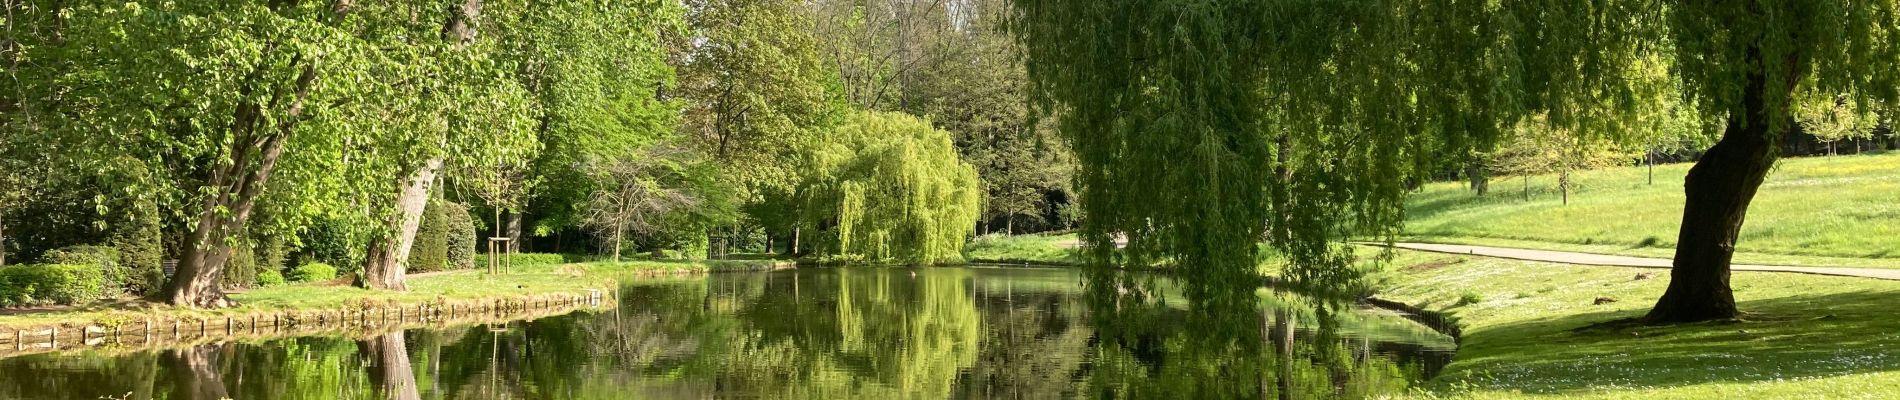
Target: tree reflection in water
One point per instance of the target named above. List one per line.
(828, 333)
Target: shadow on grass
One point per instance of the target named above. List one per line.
(1804, 336)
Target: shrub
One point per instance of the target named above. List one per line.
(241, 269)
(102, 258)
(313, 272)
(51, 284)
(141, 249)
(431, 249)
(270, 277)
(461, 236)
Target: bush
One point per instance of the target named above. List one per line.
(313, 272)
(241, 269)
(141, 249)
(430, 252)
(461, 236)
(270, 277)
(102, 258)
(51, 284)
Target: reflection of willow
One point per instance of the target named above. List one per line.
(1223, 344)
(887, 334)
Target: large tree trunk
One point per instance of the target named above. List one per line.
(195, 373)
(222, 215)
(388, 259)
(3, 240)
(1718, 190)
(390, 373)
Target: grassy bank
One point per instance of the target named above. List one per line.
(1032, 249)
(1531, 331)
(1842, 210)
(523, 281)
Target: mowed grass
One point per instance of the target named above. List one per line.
(1034, 248)
(1841, 210)
(522, 281)
(1533, 330)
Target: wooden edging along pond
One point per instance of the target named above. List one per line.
(362, 320)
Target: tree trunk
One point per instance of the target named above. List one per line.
(388, 258)
(195, 372)
(391, 373)
(1480, 182)
(1650, 159)
(1718, 190)
(1527, 188)
(222, 215)
(514, 231)
(1563, 185)
(620, 230)
(3, 241)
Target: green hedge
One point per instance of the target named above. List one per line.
(104, 259)
(313, 272)
(51, 284)
(462, 237)
(527, 259)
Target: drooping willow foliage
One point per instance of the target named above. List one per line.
(1203, 127)
(889, 187)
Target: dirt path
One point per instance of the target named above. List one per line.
(1633, 262)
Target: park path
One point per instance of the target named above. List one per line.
(1567, 257)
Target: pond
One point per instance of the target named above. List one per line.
(809, 333)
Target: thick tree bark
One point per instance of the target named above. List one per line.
(1718, 190)
(391, 373)
(3, 241)
(195, 373)
(388, 259)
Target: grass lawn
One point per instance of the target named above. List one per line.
(460, 285)
(1052, 249)
(1530, 331)
(1842, 210)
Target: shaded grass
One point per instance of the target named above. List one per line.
(1536, 332)
(523, 281)
(1839, 208)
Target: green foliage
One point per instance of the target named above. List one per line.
(431, 249)
(312, 272)
(270, 277)
(888, 187)
(529, 259)
(101, 258)
(241, 270)
(1202, 126)
(24, 285)
(138, 237)
(462, 238)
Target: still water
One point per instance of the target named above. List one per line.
(810, 333)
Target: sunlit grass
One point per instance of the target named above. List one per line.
(1526, 336)
(539, 280)
(1838, 209)
(1056, 248)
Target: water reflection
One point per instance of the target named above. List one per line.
(830, 333)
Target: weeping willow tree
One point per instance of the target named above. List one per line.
(889, 187)
(1203, 126)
